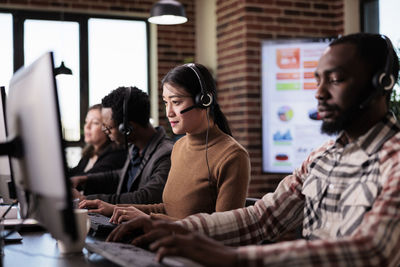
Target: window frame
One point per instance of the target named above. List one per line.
(19, 17)
(368, 21)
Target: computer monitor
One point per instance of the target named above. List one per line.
(36, 148)
(7, 190)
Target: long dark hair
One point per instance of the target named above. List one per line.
(185, 77)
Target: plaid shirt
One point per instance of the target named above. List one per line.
(346, 196)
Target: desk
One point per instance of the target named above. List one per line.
(40, 249)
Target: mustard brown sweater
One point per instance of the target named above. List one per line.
(188, 190)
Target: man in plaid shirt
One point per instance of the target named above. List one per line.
(345, 195)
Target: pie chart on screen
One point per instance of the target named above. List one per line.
(313, 114)
(285, 113)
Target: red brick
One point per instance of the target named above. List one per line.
(302, 4)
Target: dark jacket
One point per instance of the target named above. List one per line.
(149, 180)
(111, 158)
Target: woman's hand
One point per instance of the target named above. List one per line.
(122, 214)
(97, 206)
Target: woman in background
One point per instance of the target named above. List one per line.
(210, 170)
(99, 154)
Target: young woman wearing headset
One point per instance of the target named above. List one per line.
(210, 170)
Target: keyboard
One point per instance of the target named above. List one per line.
(129, 255)
(100, 225)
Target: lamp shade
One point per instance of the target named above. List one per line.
(167, 12)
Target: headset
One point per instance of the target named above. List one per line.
(203, 99)
(124, 127)
(383, 81)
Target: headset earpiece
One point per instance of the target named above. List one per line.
(125, 130)
(384, 80)
(203, 99)
(124, 127)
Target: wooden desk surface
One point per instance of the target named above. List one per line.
(40, 249)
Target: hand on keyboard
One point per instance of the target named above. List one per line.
(97, 206)
(143, 231)
(122, 214)
(130, 230)
(195, 246)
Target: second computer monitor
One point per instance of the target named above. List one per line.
(7, 190)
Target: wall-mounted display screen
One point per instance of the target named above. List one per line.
(290, 123)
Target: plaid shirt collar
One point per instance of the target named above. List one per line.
(373, 139)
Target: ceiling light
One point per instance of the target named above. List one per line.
(167, 12)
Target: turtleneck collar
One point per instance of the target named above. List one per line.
(200, 138)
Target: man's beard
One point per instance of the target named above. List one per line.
(342, 122)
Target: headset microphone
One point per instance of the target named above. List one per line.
(188, 109)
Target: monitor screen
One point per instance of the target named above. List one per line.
(290, 123)
(38, 161)
(7, 192)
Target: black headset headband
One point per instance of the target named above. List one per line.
(389, 58)
(205, 98)
(199, 76)
(125, 127)
(385, 79)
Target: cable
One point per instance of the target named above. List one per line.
(126, 143)
(208, 128)
(208, 165)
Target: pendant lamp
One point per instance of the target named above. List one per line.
(167, 12)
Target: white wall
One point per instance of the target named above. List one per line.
(206, 34)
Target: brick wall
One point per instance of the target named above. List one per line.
(241, 26)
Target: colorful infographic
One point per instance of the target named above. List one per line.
(290, 121)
